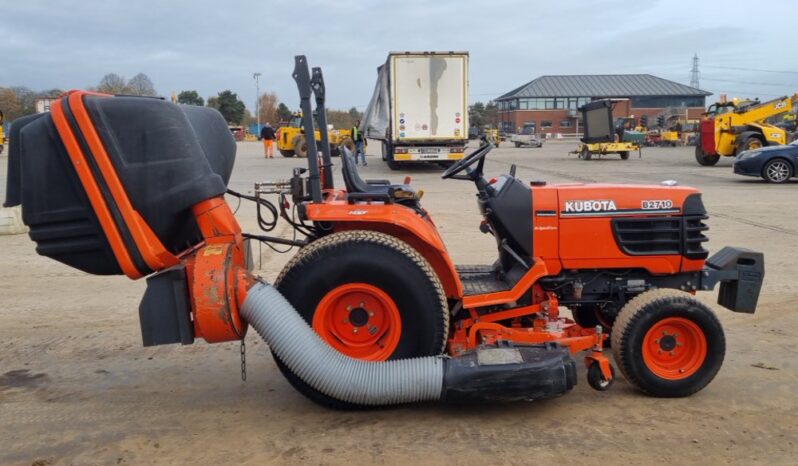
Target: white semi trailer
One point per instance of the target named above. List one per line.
(419, 110)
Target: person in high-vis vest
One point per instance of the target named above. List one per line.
(360, 143)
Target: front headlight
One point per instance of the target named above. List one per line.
(748, 155)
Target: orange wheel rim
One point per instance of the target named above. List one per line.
(674, 348)
(359, 320)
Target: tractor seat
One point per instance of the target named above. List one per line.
(358, 188)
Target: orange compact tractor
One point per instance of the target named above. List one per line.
(371, 310)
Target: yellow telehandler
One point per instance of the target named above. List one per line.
(729, 127)
(291, 139)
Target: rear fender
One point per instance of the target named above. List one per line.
(400, 222)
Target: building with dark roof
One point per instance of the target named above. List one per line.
(549, 104)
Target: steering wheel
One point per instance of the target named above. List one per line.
(464, 164)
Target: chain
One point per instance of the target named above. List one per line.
(243, 361)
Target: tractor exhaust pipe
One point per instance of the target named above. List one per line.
(486, 375)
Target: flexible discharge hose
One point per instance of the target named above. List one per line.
(330, 372)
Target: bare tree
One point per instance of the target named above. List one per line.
(141, 84)
(112, 83)
(268, 108)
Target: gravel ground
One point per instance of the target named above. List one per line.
(76, 387)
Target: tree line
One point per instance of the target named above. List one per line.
(17, 101)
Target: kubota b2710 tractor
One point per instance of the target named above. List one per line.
(371, 310)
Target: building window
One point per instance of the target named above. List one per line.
(545, 124)
(582, 101)
(667, 101)
(548, 104)
(565, 123)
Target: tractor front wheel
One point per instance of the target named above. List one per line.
(667, 343)
(368, 295)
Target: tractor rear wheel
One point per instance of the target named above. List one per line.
(667, 343)
(703, 159)
(369, 296)
(300, 146)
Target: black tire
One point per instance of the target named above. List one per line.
(777, 171)
(624, 155)
(585, 154)
(645, 311)
(517, 144)
(286, 153)
(705, 160)
(750, 143)
(375, 259)
(393, 165)
(595, 378)
(300, 146)
(446, 164)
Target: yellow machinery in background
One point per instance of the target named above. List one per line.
(628, 136)
(493, 135)
(669, 138)
(291, 139)
(2, 134)
(730, 127)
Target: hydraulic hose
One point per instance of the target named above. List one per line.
(330, 372)
(489, 374)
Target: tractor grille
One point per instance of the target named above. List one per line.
(656, 236)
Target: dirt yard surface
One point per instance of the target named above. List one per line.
(77, 387)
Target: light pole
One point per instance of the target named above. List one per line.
(256, 77)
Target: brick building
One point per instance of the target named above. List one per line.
(549, 104)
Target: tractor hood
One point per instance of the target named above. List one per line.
(583, 200)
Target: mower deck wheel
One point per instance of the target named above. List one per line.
(596, 379)
(667, 343)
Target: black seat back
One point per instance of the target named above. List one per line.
(354, 183)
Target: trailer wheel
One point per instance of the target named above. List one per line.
(368, 295)
(667, 343)
(624, 155)
(703, 159)
(585, 154)
(393, 165)
(300, 146)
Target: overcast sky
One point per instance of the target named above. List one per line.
(211, 46)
